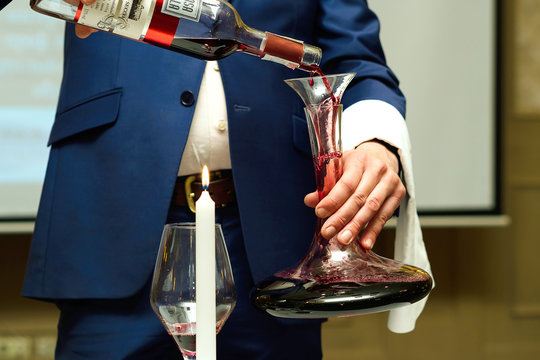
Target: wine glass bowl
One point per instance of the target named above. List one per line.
(173, 287)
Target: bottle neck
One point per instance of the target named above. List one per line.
(291, 53)
(280, 49)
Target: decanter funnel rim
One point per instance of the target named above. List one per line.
(307, 78)
(315, 90)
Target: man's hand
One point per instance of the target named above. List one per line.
(83, 31)
(365, 197)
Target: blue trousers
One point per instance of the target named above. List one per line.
(111, 329)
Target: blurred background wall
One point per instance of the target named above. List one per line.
(487, 301)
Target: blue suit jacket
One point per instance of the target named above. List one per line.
(119, 132)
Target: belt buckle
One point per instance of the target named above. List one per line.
(190, 195)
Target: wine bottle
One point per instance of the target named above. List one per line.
(205, 29)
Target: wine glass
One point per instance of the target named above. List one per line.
(173, 287)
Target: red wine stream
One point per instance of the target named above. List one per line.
(319, 72)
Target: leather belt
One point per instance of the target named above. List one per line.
(188, 189)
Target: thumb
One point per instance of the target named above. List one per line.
(83, 31)
(312, 199)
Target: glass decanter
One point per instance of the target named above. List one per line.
(332, 279)
(173, 287)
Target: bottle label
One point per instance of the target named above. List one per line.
(129, 18)
(283, 50)
(186, 9)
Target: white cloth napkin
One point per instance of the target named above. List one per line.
(370, 119)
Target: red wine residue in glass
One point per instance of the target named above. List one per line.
(320, 161)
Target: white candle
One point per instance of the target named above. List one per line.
(205, 273)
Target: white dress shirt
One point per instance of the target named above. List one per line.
(208, 140)
(208, 143)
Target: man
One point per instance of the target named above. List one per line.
(120, 141)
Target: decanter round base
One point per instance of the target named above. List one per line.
(310, 299)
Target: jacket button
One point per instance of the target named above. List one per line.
(187, 99)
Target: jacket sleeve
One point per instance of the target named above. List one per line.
(348, 33)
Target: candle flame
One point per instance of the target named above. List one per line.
(205, 178)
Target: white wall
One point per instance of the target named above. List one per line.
(442, 51)
(444, 54)
(30, 73)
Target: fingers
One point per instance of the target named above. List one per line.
(312, 199)
(344, 189)
(364, 198)
(346, 200)
(83, 31)
(374, 215)
(361, 206)
(377, 222)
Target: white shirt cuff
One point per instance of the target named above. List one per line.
(376, 119)
(370, 119)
